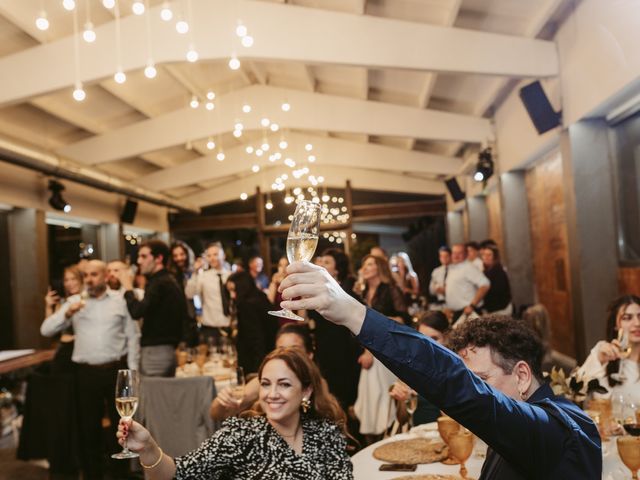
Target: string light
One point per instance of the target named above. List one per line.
(274, 127)
(241, 30)
(285, 107)
(210, 106)
(308, 147)
(194, 102)
(150, 71)
(109, 4)
(265, 122)
(137, 8)
(246, 108)
(89, 35)
(259, 152)
(42, 23)
(182, 27)
(234, 63)
(166, 14)
(220, 156)
(249, 149)
(211, 144)
(283, 144)
(255, 168)
(120, 77)
(69, 4)
(243, 196)
(247, 41)
(79, 94)
(237, 133)
(192, 55)
(211, 95)
(311, 158)
(269, 204)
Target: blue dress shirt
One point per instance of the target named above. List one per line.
(545, 438)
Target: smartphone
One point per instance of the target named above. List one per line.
(398, 467)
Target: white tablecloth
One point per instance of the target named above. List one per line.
(365, 467)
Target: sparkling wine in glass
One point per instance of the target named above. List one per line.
(127, 386)
(302, 241)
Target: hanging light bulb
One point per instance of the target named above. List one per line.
(182, 27)
(269, 204)
(265, 122)
(211, 144)
(247, 41)
(210, 106)
(234, 63)
(265, 147)
(166, 14)
(241, 30)
(246, 108)
(79, 94)
(243, 196)
(220, 156)
(274, 127)
(120, 76)
(259, 152)
(69, 4)
(320, 179)
(238, 126)
(325, 196)
(150, 71)
(192, 55)
(288, 199)
(285, 107)
(311, 158)
(194, 102)
(289, 162)
(308, 147)
(109, 4)
(283, 144)
(89, 35)
(137, 8)
(42, 22)
(237, 133)
(211, 95)
(255, 168)
(249, 149)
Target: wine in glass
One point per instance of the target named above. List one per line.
(237, 385)
(625, 351)
(411, 404)
(629, 451)
(127, 385)
(460, 448)
(301, 241)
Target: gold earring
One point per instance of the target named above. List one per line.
(305, 404)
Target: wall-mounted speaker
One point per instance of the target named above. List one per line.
(454, 189)
(542, 114)
(128, 214)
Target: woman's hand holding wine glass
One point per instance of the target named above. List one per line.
(127, 386)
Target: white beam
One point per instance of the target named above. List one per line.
(282, 33)
(329, 152)
(309, 111)
(336, 177)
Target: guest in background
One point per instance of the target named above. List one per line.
(439, 275)
(291, 335)
(209, 286)
(256, 328)
(498, 298)
(163, 308)
(379, 252)
(181, 262)
(296, 432)
(466, 286)
(256, 264)
(435, 325)
(276, 278)
(405, 277)
(114, 270)
(106, 339)
(616, 370)
(537, 317)
(337, 351)
(373, 406)
(473, 254)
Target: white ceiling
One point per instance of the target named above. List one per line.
(387, 91)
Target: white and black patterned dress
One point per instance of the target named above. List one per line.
(250, 448)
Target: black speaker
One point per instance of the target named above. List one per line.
(539, 108)
(454, 189)
(128, 214)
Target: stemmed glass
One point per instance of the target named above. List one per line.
(127, 391)
(411, 404)
(625, 351)
(301, 242)
(629, 451)
(460, 448)
(237, 385)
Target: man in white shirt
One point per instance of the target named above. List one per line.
(106, 339)
(209, 285)
(473, 255)
(439, 275)
(466, 285)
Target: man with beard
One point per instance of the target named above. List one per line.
(114, 268)
(163, 307)
(106, 339)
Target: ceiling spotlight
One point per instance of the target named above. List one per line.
(166, 14)
(246, 108)
(109, 4)
(182, 27)
(484, 167)
(56, 200)
(79, 94)
(247, 41)
(194, 102)
(234, 63)
(150, 71)
(243, 196)
(286, 107)
(69, 4)
(138, 8)
(42, 23)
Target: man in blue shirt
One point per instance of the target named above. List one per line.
(495, 389)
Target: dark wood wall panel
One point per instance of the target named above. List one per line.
(629, 280)
(550, 249)
(494, 206)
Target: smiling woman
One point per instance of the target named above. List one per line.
(296, 431)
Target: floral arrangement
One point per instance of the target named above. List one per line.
(576, 387)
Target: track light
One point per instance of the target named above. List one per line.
(56, 200)
(484, 168)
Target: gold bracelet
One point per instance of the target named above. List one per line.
(157, 461)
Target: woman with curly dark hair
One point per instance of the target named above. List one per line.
(295, 432)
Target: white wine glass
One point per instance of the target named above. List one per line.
(127, 386)
(302, 241)
(625, 351)
(237, 385)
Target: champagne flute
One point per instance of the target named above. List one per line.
(301, 241)
(625, 351)
(237, 385)
(127, 385)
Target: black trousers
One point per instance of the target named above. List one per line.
(95, 388)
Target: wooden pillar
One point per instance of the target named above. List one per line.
(348, 200)
(263, 239)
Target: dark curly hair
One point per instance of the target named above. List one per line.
(615, 307)
(509, 341)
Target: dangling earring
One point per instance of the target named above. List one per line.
(305, 404)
